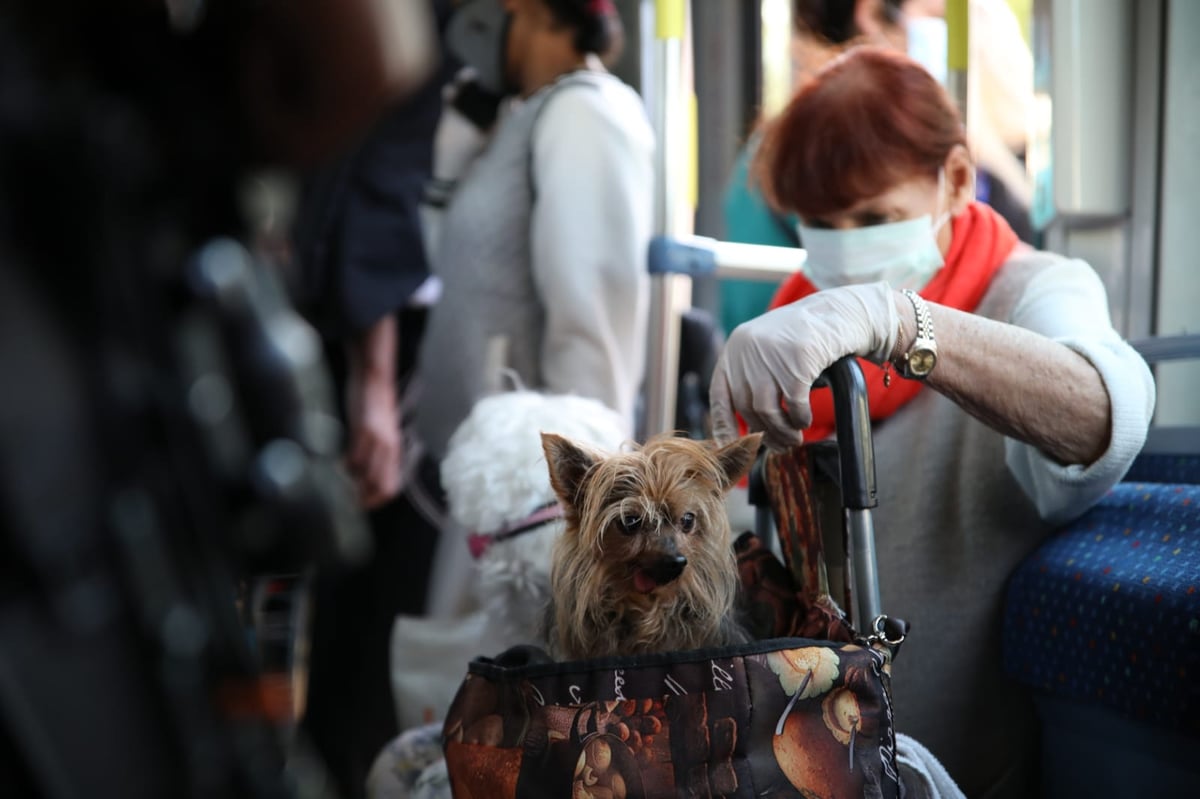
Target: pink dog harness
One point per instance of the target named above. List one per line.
(478, 543)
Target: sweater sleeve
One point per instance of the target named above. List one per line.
(592, 217)
(1067, 302)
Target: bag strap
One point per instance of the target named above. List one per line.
(582, 78)
(802, 493)
(794, 489)
(790, 485)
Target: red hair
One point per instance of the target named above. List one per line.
(870, 119)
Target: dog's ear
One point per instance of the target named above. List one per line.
(736, 458)
(569, 465)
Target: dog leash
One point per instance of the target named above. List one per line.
(478, 543)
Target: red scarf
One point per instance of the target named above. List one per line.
(980, 242)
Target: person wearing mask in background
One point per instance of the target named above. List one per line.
(542, 245)
(1000, 96)
(1000, 88)
(820, 30)
(1006, 403)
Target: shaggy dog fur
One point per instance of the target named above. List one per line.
(494, 474)
(646, 563)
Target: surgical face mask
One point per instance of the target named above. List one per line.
(927, 44)
(477, 35)
(904, 253)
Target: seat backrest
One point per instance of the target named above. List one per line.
(700, 343)
(1103, 612)
(1165, 441)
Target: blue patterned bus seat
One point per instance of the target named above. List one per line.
(1107, 611)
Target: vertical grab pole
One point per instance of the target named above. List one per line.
(957, 53)
(670, 294)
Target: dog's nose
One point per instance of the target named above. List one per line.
(667, 568)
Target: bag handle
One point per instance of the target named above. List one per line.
(852, 420)
(856, 456)
(790, 483)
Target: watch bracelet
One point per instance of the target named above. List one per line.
(924, 338)
(921, 311)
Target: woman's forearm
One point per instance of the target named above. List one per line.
(1018, 382)
(372, 354)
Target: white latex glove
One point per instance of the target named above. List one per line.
(769, 364)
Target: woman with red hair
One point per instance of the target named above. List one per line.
(1004, 401)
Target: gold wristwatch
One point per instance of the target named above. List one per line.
(918, 362)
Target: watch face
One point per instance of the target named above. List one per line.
(922, 361)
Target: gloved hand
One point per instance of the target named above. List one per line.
(769, 364)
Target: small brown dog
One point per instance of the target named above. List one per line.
(646, 563)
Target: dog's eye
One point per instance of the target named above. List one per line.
(630, 524)
(687, 522)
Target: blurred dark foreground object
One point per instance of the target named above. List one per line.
(166, 423)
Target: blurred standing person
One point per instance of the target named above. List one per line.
(163, 422)
(543, 244)
(1000, 96)
(359, 262)
(820, 30)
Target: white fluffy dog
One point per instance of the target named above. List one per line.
(496, 480)
(498, 489)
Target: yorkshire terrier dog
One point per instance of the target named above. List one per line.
(646, 562)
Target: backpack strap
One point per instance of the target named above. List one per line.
(583, 77)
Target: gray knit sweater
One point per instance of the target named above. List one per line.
(955, 517)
